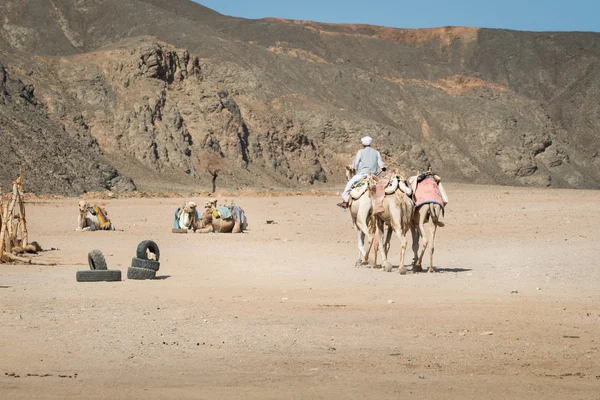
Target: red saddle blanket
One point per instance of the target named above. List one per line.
(382, 182)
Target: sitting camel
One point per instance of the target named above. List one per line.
(221, 220)
(396, 211)
(430, 200)
(92, 218)
(187, 217)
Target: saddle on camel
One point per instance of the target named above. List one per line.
(386, 183)
(93, 217)
(428, 189)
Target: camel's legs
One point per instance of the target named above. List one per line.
(414, 230)
(363, 255)
(386, 241)
(378, 239)
(375, 246)
(431, 233)
(395, 225)
(360, 212)
(401, 268)
(361, 238)
(402, 236)
(380, 242)
(422, 235)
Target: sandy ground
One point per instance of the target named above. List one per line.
(281, 311)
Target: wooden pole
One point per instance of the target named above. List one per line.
(29, 260)
(9, 221)
(4, 212)
(22, 220)
(6, 222)
(11, 218)
(9, 228)
(9, 225)
(1, 205)
(16, 227)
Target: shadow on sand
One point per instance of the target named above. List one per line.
(424, 271)
(444, 270)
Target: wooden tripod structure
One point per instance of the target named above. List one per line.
(12, 220)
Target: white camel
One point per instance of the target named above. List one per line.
(430, 198)
(186, 217)
(398, 209)
(88, 218)
(360, 211)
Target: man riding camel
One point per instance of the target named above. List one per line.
(366, 160)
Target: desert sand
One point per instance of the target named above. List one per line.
(282, 312)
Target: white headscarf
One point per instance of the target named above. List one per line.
(366, 141)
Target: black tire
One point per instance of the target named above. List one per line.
(99, 275)
(140, 273)
(175, 230)
(96, 260)
(147, 264)
(147, 245)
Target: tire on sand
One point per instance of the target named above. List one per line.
(99, 275)
(147, 264)
(140, 273)
(144, 247)
(96, 260)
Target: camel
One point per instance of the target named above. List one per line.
(397, 214)
(212, 221)
(209, 224)
(186, 217)
(88, 219)
(360, 211)
(431, 198)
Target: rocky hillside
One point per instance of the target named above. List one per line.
(165, 91)
(54, 159)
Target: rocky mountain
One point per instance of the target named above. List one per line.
(166, 91)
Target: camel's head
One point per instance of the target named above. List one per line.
(82, 206)
(371, 182)
(404, 184)
(401, 176)
(350, 172)
(190, 207)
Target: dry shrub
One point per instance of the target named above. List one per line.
(107, 195)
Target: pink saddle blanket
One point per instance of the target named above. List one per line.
(428, 192)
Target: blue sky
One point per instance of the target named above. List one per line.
(533, 15)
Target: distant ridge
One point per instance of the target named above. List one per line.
(155, 90)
